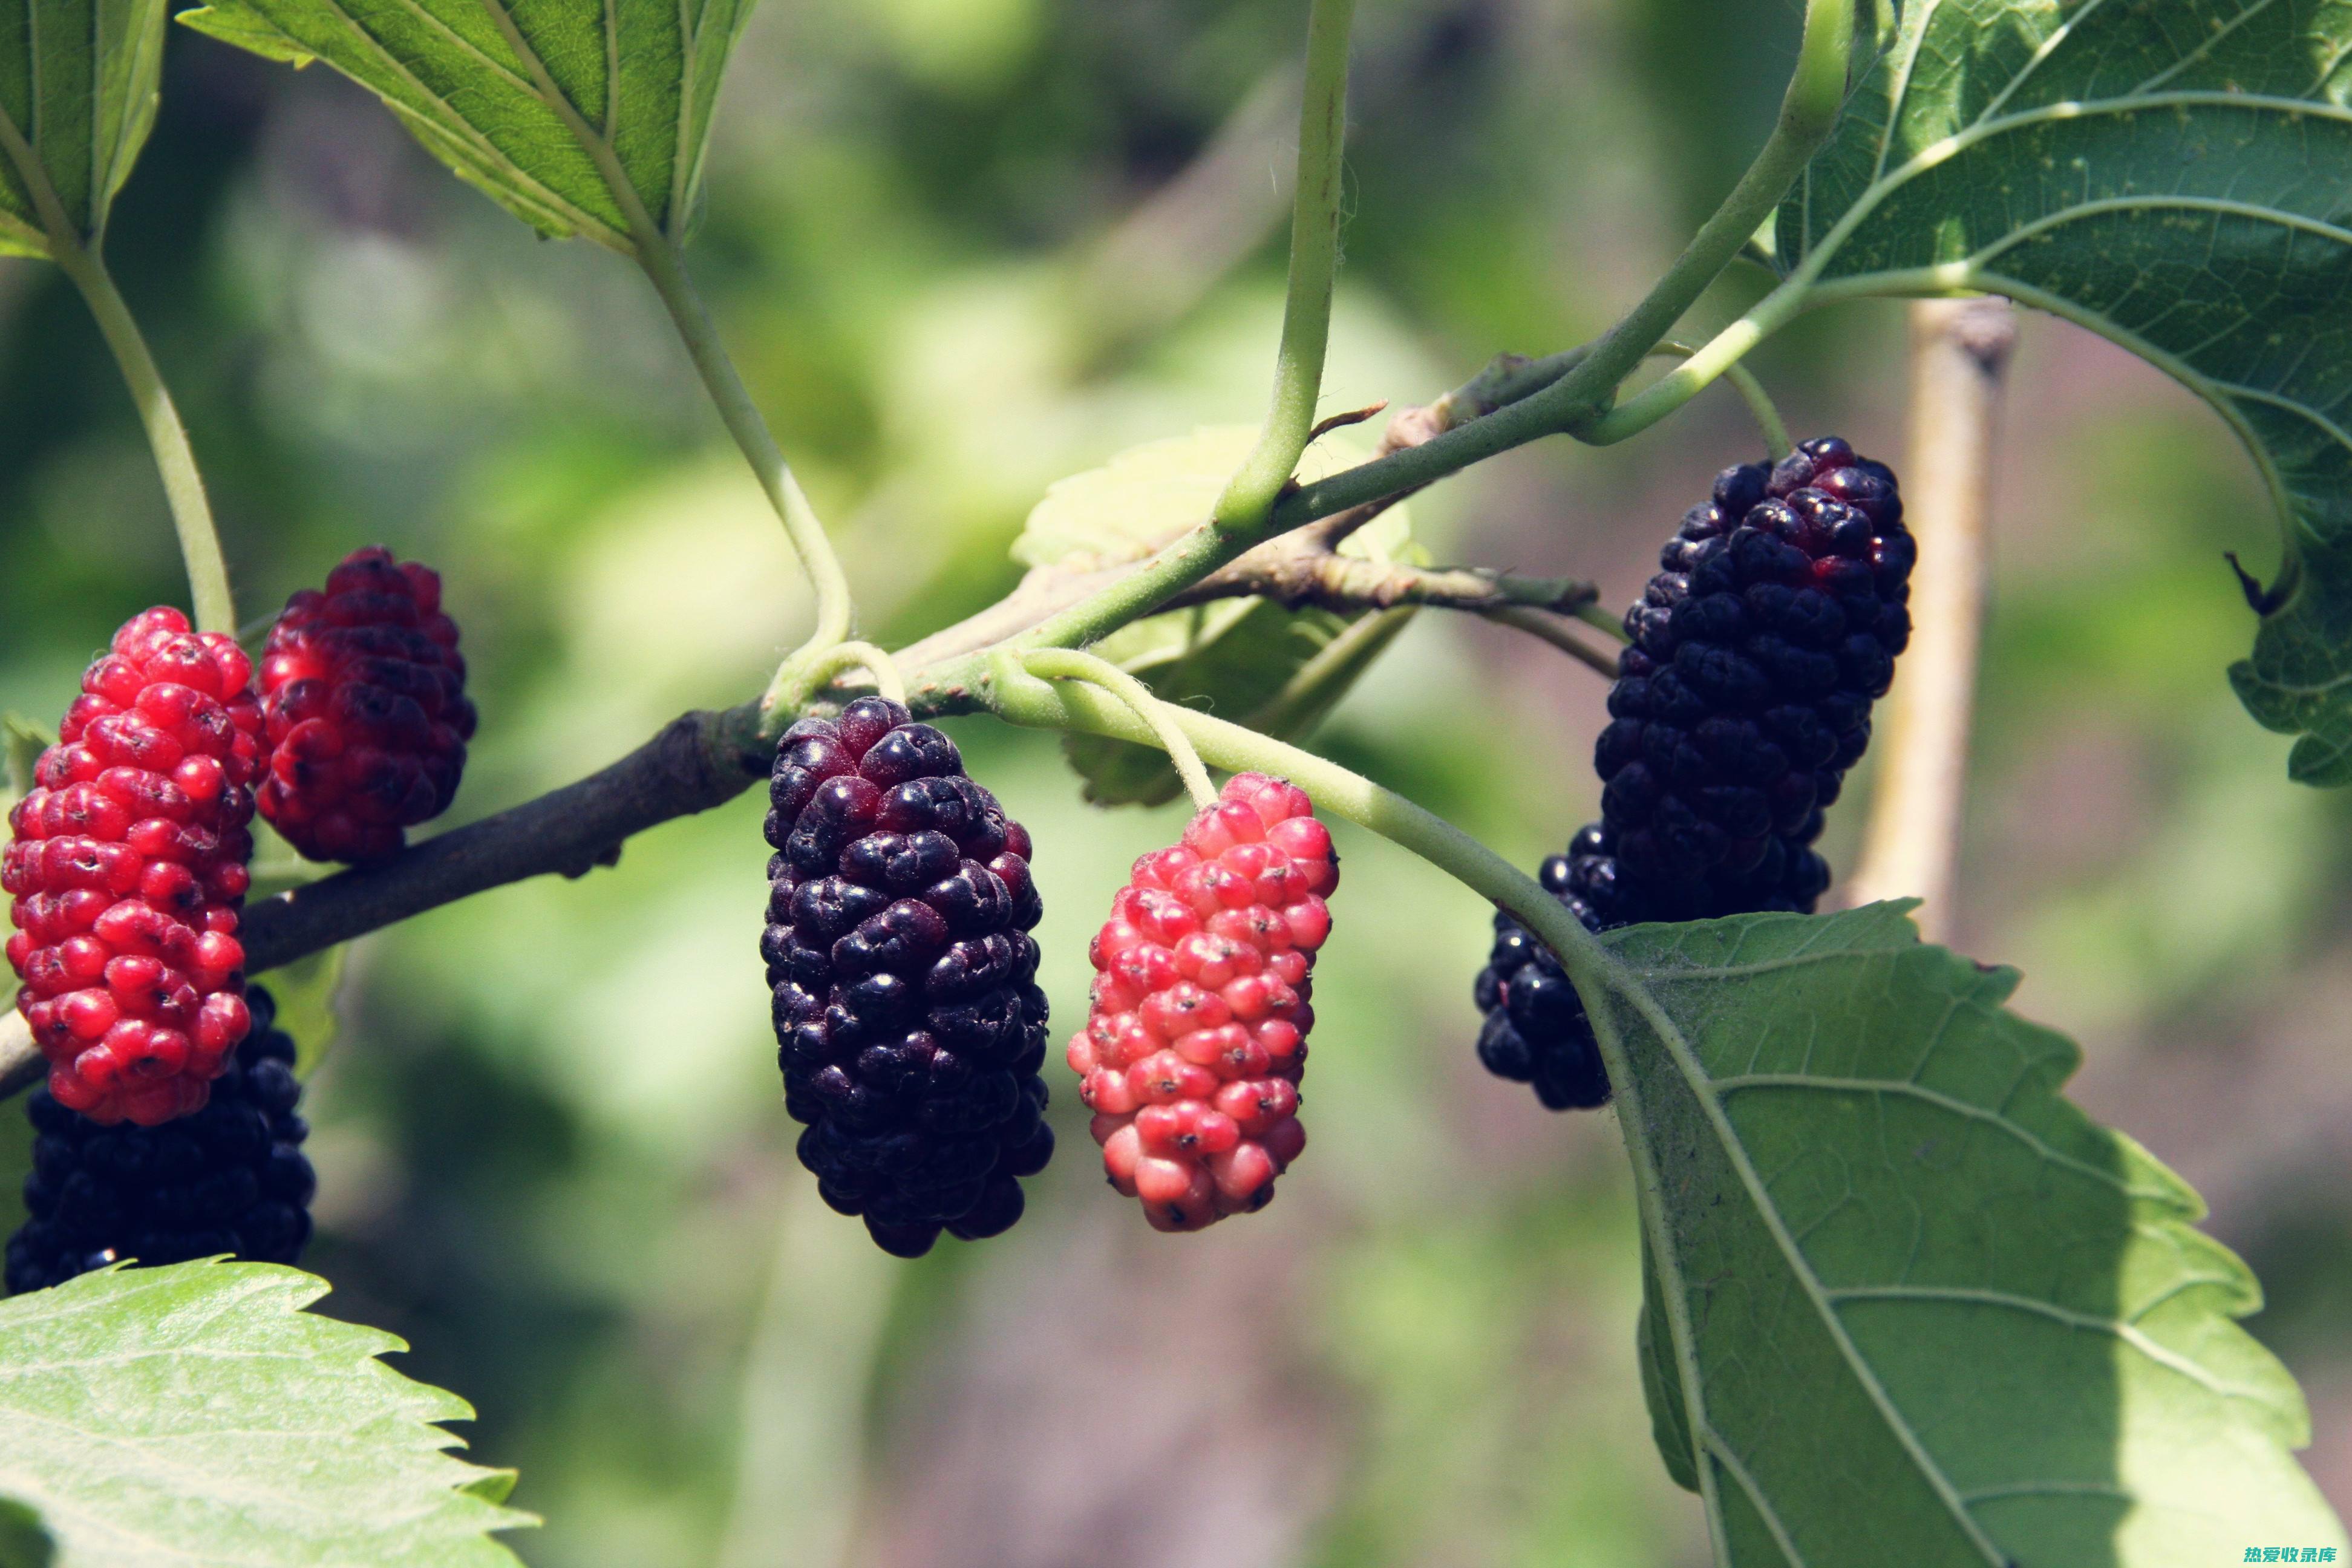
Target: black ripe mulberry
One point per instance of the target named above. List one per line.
(229, 1178)
(908, 1023)
(1740, 704)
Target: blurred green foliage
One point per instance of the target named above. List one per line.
(943, 244)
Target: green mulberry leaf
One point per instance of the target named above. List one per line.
(1906, 1303)
(77, 99)
(196, 1415)
(477, 81)
(2175, 176)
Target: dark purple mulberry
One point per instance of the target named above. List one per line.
(1743, 699)
(908, 1023)
(230, 1178)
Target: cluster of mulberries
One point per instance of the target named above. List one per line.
(231, 1178)
(127, 866)
(364, 694)
(1192, 1051)
(1744, 698)
(908, 1023)
(127, 869)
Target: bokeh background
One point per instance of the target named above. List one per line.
(962, 247)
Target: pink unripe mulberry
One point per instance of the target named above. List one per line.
(1196, 1040)
(127, 869)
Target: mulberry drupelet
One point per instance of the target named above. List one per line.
(1744, 698)
(363, 693)
(231, 1178)
(128, 870)
(1196, 1040)
(908, 1023)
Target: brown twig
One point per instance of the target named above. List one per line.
(696, 761)
(1298, 572)
(1959, 352)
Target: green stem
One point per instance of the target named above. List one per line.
(664, 265)
(1180, 564)
(1808, 111)
(1760, 407)
(1547, 627)
(1314, 261)
(1570, 390)
(183, 485)
(1068, 664)
(1573, 392)
(1720, 355)
(667, 268)
(1602, 620)
(811, 671)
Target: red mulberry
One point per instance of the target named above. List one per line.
(1744, 699)
(128, 870)
(363, 691)
(231, 1178)
(1192, 1052)
(908, 1023)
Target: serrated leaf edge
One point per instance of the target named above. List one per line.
(2183, 1205)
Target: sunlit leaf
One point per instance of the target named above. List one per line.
(1907, 1303)
(2177, 177)
(76, 100)
(494, 91)
(196, 1413)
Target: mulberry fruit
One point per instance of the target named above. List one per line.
(363, 693)
(908, 1023)
(1192, 1051)
(128, 870)
(1743, 700)
(231, 1178)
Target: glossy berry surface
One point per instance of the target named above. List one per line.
(1744, 698)
(127, 869)
(364, 694)
(908, 1023)
(232, 1178)
(1193, 1050)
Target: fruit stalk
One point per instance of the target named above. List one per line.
(1069, 664)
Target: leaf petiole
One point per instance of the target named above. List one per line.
(175, 460)
(1760, 407)
(664, 265)
(809, 671)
